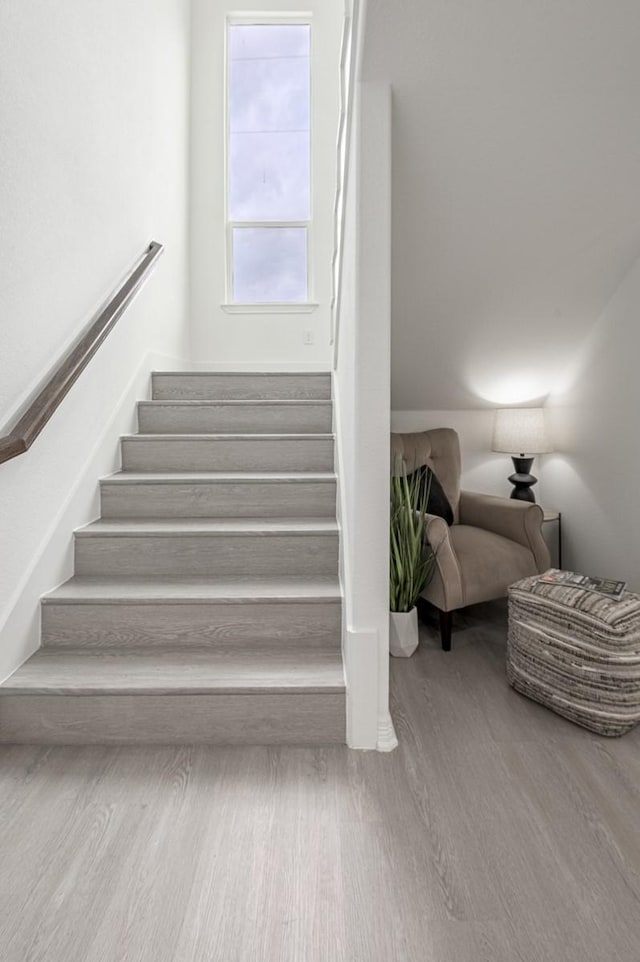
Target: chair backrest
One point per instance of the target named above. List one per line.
(440, 450)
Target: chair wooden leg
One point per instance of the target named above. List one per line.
(425, 612)
(446, 621)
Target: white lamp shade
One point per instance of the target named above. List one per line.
(521, 431)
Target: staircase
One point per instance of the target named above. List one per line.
(205, 605)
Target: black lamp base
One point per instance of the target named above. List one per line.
(522, 480)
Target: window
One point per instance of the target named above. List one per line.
(268, 162)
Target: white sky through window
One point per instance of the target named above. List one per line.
(270, 264)
(269, 158)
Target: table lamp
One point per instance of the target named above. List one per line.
(522, 433)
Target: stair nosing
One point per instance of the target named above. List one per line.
(336, 599)
(312, 436)
(237, 477)
(250, 374)
(207, 527)
(235, 402)
(141, 533)
(255, 594)
(85, 692)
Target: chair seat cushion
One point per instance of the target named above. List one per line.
(488, 562)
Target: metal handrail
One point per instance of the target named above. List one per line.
(70, 367)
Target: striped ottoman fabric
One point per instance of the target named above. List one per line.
(576, 652)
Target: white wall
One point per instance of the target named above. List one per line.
(93, 165)
(516, 209)
(257, 340)
(594, 419)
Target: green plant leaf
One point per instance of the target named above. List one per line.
(411, 562)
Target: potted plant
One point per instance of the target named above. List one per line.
(412, 562)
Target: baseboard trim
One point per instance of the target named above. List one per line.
(387, 740)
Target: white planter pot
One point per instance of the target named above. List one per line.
(403, 632)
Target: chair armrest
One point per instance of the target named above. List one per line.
(445, 588)
(436, 532)
(519, 521)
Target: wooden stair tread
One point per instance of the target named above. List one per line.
(222, 477)
(176, 672)
(208, 526)
(91, 590)
(229, 437)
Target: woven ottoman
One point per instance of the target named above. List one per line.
(576, 652)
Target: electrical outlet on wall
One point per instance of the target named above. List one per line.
(307, 337)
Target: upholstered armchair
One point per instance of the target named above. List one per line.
(492, 541)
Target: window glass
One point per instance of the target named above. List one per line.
(269, 123)
(269, 264)
(269, 177)
(257, 41)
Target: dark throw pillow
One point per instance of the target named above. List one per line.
(438, 502)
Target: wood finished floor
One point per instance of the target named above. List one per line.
(497, 832)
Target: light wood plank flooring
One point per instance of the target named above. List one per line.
(496, 831)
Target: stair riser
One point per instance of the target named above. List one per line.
(206, 554)
(240, 387)
(282, 625)
(218, 499)
(254, 454)
(301, 719)
(159, 418)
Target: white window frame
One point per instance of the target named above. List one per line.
(268, 307)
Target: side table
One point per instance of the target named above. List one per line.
(550, 518)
